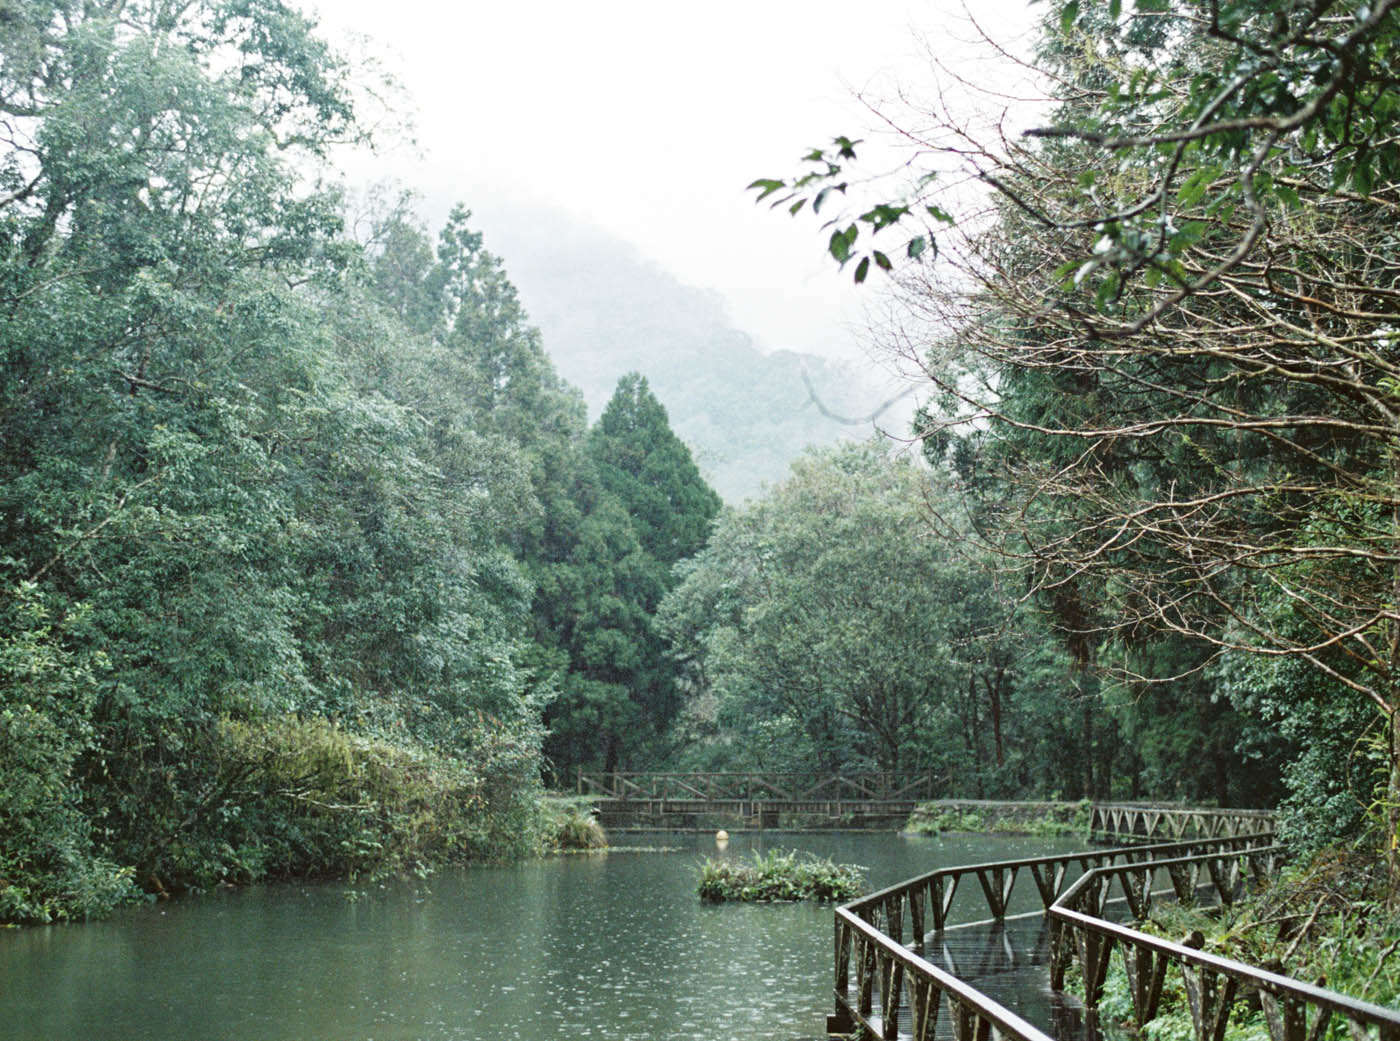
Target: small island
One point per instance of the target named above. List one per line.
(779, 875)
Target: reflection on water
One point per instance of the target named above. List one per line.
(612, 946)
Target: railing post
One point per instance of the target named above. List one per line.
(840, 1022)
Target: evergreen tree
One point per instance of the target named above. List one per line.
(650, 471)
(643, 506)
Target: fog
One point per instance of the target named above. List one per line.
(646, 121)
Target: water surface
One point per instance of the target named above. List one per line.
(612, 946)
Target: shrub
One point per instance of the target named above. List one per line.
(1323, 920)
(287, 796)
(932, 819)
(571, 826)
(779, 876)
(49, 866)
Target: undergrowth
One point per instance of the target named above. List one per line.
(1063, 819)
(1324, 922)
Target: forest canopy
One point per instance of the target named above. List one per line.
(283, 511)
(311, 564)
(1161, 345)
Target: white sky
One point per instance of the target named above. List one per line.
(647, 118)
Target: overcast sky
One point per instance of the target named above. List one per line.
(647, 118)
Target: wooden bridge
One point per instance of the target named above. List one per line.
(761, 800)
(758, 798)
(1157, 821)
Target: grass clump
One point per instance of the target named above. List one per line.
(779, 876)
(571, 825)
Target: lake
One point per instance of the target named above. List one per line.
(613, 945)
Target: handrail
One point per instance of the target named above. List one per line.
(931, 894)
(870, 933)
(975, 1017)
(1135, 879)
(1146, 820)
(868, 786)
(1213, 983)
(869, 943)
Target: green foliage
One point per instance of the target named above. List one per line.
(571, 825)
(641, 506)
(650, 472)
(49, 866)
(1046, 820)
(1173, 351)
(824, 175)
(842, 623)
(264, 507)
(1335, 770)
(307, 798)
(778, 876)
(935, 820)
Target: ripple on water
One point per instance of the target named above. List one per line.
(609, 946)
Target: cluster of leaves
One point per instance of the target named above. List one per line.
(779, 876)
(824, 176)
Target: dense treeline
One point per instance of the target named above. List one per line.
(1162, 347)
(300, 534)
(855, 620)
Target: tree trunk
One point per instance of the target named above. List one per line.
(994, 700)
(1392, 811)
(1087, 710)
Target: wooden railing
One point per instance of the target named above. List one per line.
(1293, 1010)
(925, 904)
(877, 974)
(767, 787)
(1155, 821)
(1223, 872)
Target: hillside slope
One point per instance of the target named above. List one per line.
(745, 413)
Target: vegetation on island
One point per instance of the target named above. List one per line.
(571, 825)
(778, 876)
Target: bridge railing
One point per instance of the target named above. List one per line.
(768, 787)
(1159, 821)
(888, 974)
(1293, 1010)
(874, 977)
(927, 900)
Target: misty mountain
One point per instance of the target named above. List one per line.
(604, 311)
